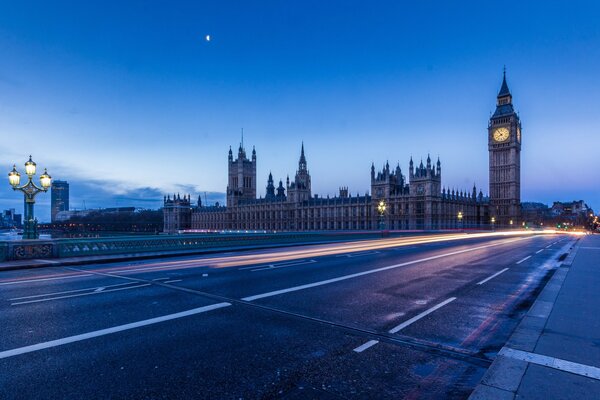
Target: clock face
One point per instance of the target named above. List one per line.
(501, 134)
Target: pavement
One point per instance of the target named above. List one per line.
(393, 318)
(555, 351)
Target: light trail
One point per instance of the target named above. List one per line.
(289, 254)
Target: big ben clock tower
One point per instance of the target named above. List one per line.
(504, 145)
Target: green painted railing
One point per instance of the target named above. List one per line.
(60, 248)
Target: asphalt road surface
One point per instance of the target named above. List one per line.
(393, 318)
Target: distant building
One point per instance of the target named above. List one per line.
(59, 198)
(576, 211)
(177, 213)
(535, 212)
(63, 216)
(10, 219)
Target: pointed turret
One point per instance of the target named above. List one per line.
(372, 171)
(504, 88)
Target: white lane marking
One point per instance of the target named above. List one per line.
(419, 316)
(99, 289)
(78, 295)
(173, 281)
(492, 277)
(161, 279)
(47, 261)
(590, 248)
(281, 264)
(69, 291)
(352, 255)
(547, 247)
(108, 331)
(276, 266)
(524, 259)
(43, 279)
(552, 362)
(372, 271)
(365, 346)
(539, 251)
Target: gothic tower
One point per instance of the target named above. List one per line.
(299, 190)
(242, 177)
(504, 145)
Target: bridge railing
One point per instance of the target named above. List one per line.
(60, 248)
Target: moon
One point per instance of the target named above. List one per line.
(207, 37)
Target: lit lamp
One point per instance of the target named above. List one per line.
(30, 190)
(14, 177)
(493, 222)
(460, 218)
(381, 209)
(30, 167)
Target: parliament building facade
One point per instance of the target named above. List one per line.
(397, 201)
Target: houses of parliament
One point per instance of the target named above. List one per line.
(397, 201)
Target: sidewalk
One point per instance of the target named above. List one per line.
(555, 351)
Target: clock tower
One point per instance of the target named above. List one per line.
(504, 145)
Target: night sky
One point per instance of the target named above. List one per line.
(128, 100)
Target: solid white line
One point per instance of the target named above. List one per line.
(43, 279)
(492, 277)
(282, 264)
(423, 314)
(47, 261)
(173, 281)
(69, 291)
(365, 346)
(362, 254)
(276, 266)
(539, 251)
(552, 362)
(372, 271)
(525, 259)
(78, 295)
(108, 331)
(547, 247)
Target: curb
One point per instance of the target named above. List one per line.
(503, 378)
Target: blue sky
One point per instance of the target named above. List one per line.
(127, 100)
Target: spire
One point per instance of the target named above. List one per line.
(302, 162)
(504, 88)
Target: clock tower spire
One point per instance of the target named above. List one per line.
(504, 146)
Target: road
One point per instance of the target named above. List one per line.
(419, 317)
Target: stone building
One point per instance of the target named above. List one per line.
(415, 200)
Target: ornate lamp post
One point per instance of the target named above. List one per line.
(30, 190)
(381, 210)
(460, 219)
(493, 222)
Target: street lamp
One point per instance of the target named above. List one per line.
(510, 223)
(381, 209)
(493, 222)
(460, 218)
(30, 190)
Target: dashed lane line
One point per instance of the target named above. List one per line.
(421, 315)
(492, 276)
(523, 260)
(365, 346)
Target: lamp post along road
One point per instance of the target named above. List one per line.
(381, 209)
(30, 190)
(460, 219)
